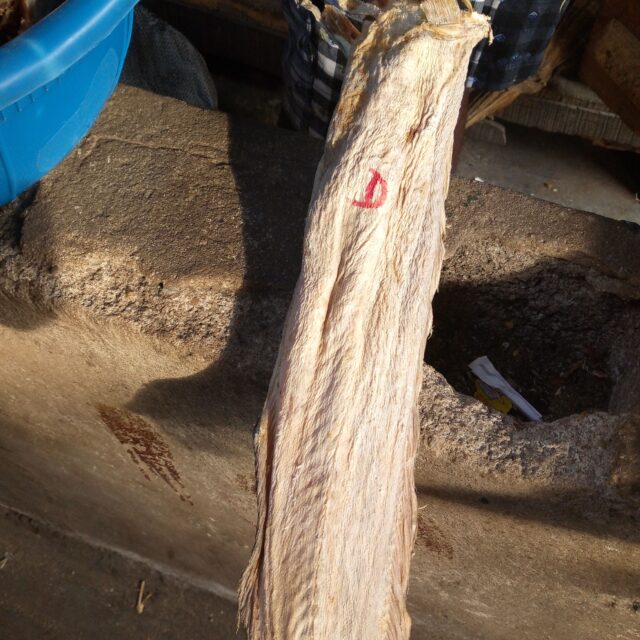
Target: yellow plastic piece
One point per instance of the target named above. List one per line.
(496, 400)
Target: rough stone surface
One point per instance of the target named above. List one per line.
(574, 452)
(142, 290)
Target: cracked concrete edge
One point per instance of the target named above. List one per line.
(576, 452)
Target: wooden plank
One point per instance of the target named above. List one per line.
(337, 439)
(611, 67)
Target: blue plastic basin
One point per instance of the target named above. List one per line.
(54, 81)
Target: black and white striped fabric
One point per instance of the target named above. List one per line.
(521, 32)
(315, 59)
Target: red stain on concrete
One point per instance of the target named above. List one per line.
(147, 449)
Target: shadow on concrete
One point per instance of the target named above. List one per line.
(573, 510)
(274, 211)
(554, 524)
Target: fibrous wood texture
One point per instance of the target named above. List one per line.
(337, 438)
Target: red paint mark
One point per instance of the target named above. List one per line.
(369, 202)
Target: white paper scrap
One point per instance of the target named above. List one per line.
(483, 368)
